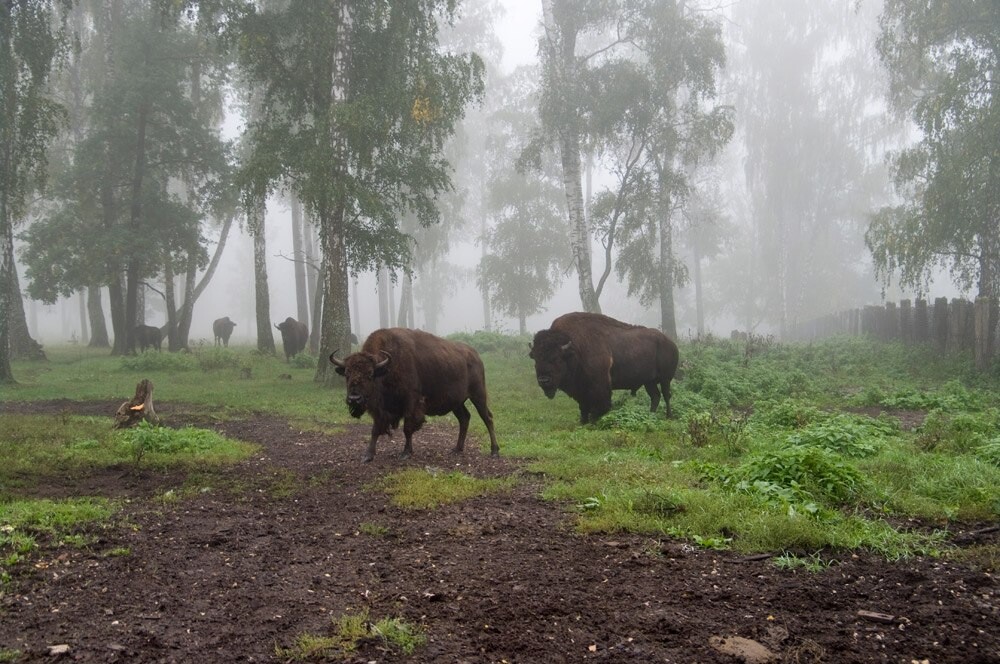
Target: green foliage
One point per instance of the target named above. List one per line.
(218, 358)
(958, 432)
(990, 451)
(844, 435)
(787, 413)
(151, 360)
(937, 55)
(304, 361)
(632, 416)
(801, 477)
(494, 342)
(951, 396)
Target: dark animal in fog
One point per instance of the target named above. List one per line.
(294, 336)
(147, 336)
(402, 374)
(589, 355)
(222, 328)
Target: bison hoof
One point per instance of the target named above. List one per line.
(458, 450)
(367, 458)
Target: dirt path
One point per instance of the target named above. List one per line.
(282, 543)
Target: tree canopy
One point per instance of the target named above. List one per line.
(943, 60)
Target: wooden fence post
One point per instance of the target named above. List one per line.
(941, 324)
(891, 332)
(920, 321)
(984, 333)
(905, 322)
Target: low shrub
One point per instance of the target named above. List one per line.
(152, 360)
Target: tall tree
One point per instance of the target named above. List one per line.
(28, 120)
(943, 60)
(525, 252)
(356, 104)
(812, 131)
(148, 169)
(563, 104)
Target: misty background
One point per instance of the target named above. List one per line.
(812, 126)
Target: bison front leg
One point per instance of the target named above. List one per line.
(462, 413)
(378, 428)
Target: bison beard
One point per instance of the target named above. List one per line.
(589, 355)
(405, 375)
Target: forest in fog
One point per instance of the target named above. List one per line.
(690, 165)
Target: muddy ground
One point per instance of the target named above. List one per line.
(285, 542)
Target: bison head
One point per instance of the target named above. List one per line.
(552, 351)
(360, 370)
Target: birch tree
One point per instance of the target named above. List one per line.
(356, 104)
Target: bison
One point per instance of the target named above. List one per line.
(294, 336)
(589, 355)
(222, 328)
(147, 336)
(402, 374)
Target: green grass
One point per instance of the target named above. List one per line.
(426, 489)
(348, 632)
(41, 449)
(767, 451)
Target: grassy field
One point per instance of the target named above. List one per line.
(772, 448)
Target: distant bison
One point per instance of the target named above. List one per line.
(589, 355)
(402, 374)
(147, 336)
(223, 329)
(294, 336)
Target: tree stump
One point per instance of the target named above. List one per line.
(139, 408)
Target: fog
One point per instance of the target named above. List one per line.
(231, 291)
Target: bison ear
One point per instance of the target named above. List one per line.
(341, 370)
(531, 351)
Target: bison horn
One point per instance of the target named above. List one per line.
(566, 347)
(276, 326)
(335, 361)
(379, 365)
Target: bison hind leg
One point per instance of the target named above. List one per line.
(462, 413)
(487, 417)
(654, 396)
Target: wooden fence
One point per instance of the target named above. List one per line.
(950, 327)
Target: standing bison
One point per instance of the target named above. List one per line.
(588, 355)
(147, 336)
(294, 336)
(222, 328)
(402, 374)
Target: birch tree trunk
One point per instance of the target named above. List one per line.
(6, 290)
(301, 293)
(560, 44)
(668, 321)
(262, 297)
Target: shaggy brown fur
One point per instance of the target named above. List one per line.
(403, 374)
(294, 337)
(222, 328)
(589, 355)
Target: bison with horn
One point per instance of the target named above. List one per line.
(401, 374)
